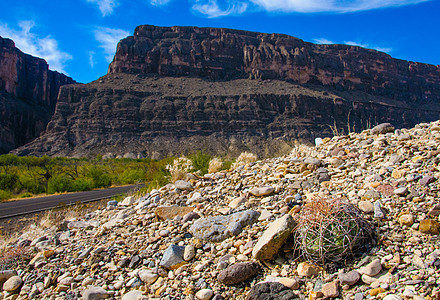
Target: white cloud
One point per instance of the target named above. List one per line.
(322, 41)
(369, 46)
(159, 2)
(32, 44)
(92, 58)
(211, 8)
(352, 43)
(108, 39)
(340, 6)
(105, 6)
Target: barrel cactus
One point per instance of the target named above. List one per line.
(331, 231)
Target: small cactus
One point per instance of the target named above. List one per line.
(331, 231)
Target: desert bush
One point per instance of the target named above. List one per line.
(331, 231)
(81, 185)
(59, 184)
(244, 158)
(4, 195)
(99, 177)
(8, 181)
(179, 168)
(31, 185)
(200, 162)
(25, 195)
(215, 165)
(130, 176)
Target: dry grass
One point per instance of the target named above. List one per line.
(215, 165)
(331, 231)
(244, 158)
(180, 168)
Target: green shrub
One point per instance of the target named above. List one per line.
(82, 184)
(99, 177)
(31, 185)
(200, 162)
(59, 184)
(4, 195)
(8, 182)
(25, 195)
(130, 176)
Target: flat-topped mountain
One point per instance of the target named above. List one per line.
(28, 95)
(178, 89)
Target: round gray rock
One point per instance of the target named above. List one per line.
(95, 293)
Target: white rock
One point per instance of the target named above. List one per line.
(189, 252)
(204, 294)
(237, 202)
(262, 191)
(133, 295)
(147, 276)
(392, 297)
(128, 201)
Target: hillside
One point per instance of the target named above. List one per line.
(28, 95)
(235, 234)
(172, 90)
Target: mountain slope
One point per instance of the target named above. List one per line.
(178, 89)
(28, 95)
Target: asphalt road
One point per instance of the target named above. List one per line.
(30, 205)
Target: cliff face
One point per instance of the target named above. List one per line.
(224, 54)
(28, 95)
(179, 89)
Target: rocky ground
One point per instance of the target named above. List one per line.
(228, 235)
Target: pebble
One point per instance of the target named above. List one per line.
(174, 242)
(128, 201)
(217, 229)
(147, 276)
(372, 269)
(378, 212)
(132, 295)
(349, 278)
(305, 269)
(189, 252)
(238, 272)
(270, 290)
(12, 284)
(183, 185)
(382, 128)
(330, 290)
(406, 220)
(429, 226)
(204, 294)
(366, 206)
(94, 293)
(392, 297)
(262, 191)
(173, 257)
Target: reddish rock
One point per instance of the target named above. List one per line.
(28, 95)
(173, 90)
(238, 272)
(170, 212)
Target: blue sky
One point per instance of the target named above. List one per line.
(79, 37)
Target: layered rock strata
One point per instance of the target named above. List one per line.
(173, 90)
(28, 95)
